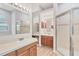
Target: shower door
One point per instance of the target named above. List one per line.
(75, 34)
(63, 33)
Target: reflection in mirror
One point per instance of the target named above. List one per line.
(35, 23)
(18, 27)
(5, 22)
(44, 24)
(23, 25)
(47, 23)
(36, 27)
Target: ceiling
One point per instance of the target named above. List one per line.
(37, 6)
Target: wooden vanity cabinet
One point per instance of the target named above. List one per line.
(33, 51)
(47, 41)
(23, 52)
(43, 40)
(29, 50)
(13, 53)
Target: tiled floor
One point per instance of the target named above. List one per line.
(45, 51)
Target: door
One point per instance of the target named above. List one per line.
(75, 34)
(63, 33)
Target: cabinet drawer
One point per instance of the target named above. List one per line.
(11, 54)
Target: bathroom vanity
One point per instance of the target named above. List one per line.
(47, 41)
(26, 47)
(28, 50)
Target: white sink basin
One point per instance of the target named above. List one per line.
(22, 42)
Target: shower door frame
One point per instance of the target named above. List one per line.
(70, 33)
(72, 11)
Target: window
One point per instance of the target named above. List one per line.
(5, 22)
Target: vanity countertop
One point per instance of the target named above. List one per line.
(12, 46)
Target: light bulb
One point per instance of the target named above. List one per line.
(24, 8)
(20, 6)
(15, 3)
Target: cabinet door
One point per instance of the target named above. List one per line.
(33, 51)
(51, 44)
(11, 53)
(49, 41)
(43, 41)
(25, 53)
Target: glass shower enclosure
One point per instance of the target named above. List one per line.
(63, 33)
(67, 31)
(75, 34)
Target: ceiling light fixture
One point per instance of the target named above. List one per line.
(19, 6)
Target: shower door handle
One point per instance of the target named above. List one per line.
(71, 47)
(72, 30)
(71, 42)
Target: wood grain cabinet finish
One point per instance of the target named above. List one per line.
(47, 41)
(33, 51)
(43, 41)
(13, 53)
(30, 50)
(24, 53)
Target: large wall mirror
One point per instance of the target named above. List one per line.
(35, 23)
(22, 23)
(5, 22)
(47, 23)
